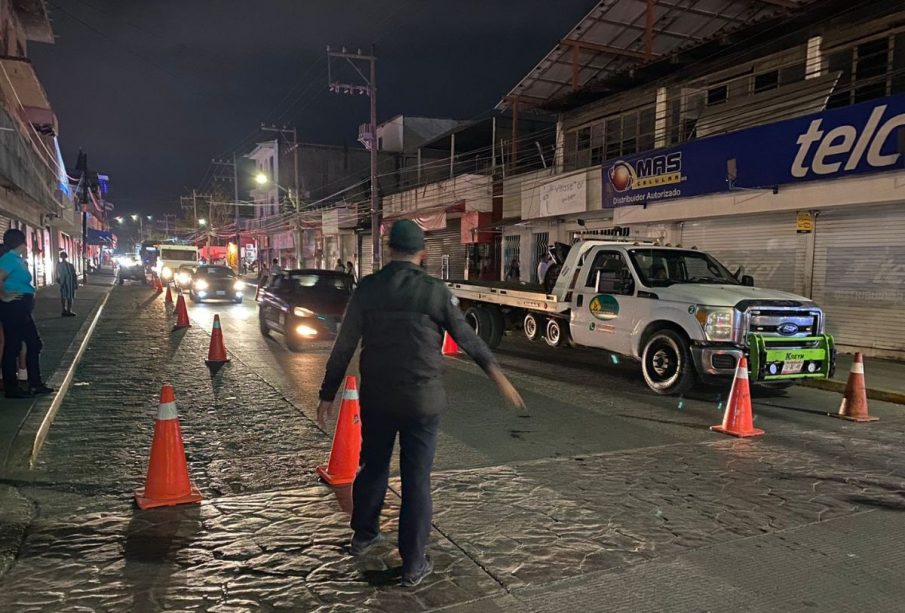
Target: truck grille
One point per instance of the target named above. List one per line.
(784, 323)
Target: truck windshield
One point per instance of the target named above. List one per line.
(180, 255)
(663, 267)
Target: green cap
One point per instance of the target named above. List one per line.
(406, 236)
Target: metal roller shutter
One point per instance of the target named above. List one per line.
(365, 262)
(768, 246)
(4, 224)
(859, 276)
(445, 254)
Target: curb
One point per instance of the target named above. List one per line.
(36, 424)
(881, 395)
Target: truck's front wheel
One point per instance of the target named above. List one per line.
(667, 364)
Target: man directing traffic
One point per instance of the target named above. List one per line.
(400, 315)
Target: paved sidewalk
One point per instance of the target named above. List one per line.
(885, 379)
(60, 335)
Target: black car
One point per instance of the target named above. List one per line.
(304, 305)
(216, 283)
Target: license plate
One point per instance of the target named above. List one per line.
(792, 367)
(221, 292)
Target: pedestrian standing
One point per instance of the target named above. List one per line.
(275, 267)
(340, 267)
(17, 299)
(542, 268)
(513, 274)
(68, 282)
(400, 315)
(350, 270)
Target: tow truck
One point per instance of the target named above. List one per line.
(172, 257)
(677, 311)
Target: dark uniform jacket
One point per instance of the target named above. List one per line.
(400, 314)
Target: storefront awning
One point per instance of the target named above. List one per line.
(99, 237)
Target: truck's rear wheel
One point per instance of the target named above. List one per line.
(497, 326)
(556, 334)
(667, 364)
(532, 327)
(485, 325)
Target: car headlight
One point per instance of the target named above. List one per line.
(239, 286)
(201, 284)
(303, 312)
(183, 277)
(306, 331)
(716, 322)
(166, 272)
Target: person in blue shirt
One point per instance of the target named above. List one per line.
(17, 299)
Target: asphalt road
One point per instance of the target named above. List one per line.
(580, 401)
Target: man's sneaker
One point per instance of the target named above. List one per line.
(42, 389)
(415, 578)
(359, 548)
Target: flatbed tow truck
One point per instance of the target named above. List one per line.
(677, 311)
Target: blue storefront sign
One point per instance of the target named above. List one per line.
(856, 139)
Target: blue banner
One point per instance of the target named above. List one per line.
(855, 139)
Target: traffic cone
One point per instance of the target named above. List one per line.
(182, 314)
(158, 286)
(854, 398)
(167, 483)
(216, 353)
(343, 463)
(449, 345)
(738, 421)
(169, 296)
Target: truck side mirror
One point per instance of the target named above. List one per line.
(748, 280)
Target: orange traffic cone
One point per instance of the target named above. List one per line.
(158, 286)
(182, 314)
(169, 296)
(449, 345)
(854, 398)
(167, 483)
(216, 353)
(343, 463)
(738, 421)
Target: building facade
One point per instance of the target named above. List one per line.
(779, 153)
(34, 188)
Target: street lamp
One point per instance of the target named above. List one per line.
(261, 179)
(202, 222)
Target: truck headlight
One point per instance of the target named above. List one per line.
(716, 323)
(166, 273)
(303, 312)
(200, 284)
(183, 278)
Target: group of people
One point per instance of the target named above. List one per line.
(17, 302)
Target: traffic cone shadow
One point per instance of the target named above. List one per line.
(738, 419)
(342, 466)
(854, 399)
(167, 482)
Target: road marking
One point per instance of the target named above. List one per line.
(41, 436)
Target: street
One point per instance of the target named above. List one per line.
(602, 497)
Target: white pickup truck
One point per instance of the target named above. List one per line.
(678, 311)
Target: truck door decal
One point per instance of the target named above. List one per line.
(604, 307)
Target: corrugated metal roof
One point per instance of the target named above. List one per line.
(618, 35)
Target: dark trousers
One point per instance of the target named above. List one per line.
(417, 444)
(18, 328)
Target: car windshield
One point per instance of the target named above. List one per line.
(663, 267)
(215, 271)
(321, 281)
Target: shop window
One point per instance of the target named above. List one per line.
(647, 124)
(766, 81)
(570, 143)
(629, 134)
(512, 257)
(613, 134)
(792, 74)
(897, 84)
(872, 59)
(597, 133)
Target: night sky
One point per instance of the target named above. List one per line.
(153, 89)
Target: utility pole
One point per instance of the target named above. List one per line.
(295, 184)
(235, 179)
(195, 211)
(371, 142)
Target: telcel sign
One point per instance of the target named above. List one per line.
(855, 139)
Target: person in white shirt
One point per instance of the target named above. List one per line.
(542, 268)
